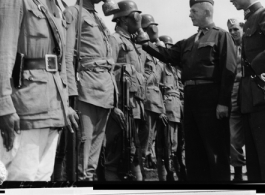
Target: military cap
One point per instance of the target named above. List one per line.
(192, 2)
(234, 22)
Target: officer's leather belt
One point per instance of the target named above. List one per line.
(49, 63)
(34, 64)
(90, 65)
(197, 82)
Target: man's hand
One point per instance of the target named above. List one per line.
(221, 111)
(73, 118)
(9, 124)
(118, 116)
(160, 43)
(164, 119)
(262, 77)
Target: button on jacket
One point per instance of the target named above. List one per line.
(94, 86)
(25, 29)
(212, 57)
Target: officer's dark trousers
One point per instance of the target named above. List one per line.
(207, 138)
(255, 145)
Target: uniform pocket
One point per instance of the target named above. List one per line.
(37, 24)
(153, 96)
(173, 107)
(169, 79)
(32, 97)
(90, 23)
(206, 51)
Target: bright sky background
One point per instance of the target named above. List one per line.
(173, 15)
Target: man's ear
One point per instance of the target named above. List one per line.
(207, 13)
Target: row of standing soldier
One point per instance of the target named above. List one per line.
(40, 47)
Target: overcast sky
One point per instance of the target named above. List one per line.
(173, 15)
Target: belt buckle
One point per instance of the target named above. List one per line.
(51, 63)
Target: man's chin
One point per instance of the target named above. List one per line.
(237, 7)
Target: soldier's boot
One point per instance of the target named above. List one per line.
(136, 170)
(161, 170)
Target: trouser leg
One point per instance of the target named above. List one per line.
(93, 122)
(207, 138)
(60, 157)
(113, 151)
(179, 155)
(101, 163)
(255, 155)
(32, 157)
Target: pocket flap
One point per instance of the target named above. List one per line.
(90, 22)
(37, 13)
(206, 44)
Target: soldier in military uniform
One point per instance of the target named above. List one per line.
(33, 99)
(126, 52)
(208, 62)
(154, 107)
(170, 140)
(237, 137)
(95, 84)
(252, 86)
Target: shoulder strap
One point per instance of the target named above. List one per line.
(56, 35)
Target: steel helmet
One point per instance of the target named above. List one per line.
(147, 20)
(126, 8)
(166, 39)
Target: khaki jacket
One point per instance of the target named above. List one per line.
(94, 86)
(24, 29)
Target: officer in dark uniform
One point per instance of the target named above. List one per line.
(208, 59)
(252, 86)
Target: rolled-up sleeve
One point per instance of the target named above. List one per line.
(11, 13)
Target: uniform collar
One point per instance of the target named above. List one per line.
(205, 29)
(89, 6)
(252, 9)
(123, 32)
